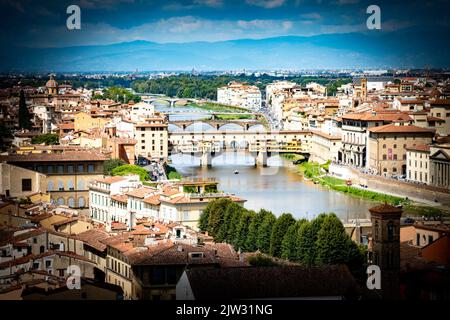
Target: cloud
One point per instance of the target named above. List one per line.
(268, 4)
(177, 6)
(311, 16)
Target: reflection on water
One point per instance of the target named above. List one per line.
(277, 188)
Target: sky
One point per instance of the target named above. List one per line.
(42, 23)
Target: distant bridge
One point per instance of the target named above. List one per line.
(171, 101)
(260, 144)
(218, 125)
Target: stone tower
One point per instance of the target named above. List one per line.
(386, 247)
(52, 86)
(363, 89)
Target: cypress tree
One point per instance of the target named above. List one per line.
(242, 230)
(280, 228)
(24, 113)
(251, 241)
(332, 242)
(265, 232)
(289, 243)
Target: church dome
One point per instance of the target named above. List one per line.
(51, 83)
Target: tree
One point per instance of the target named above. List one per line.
(204, 218)
(332, 242)
(251, 241)
(265, 232)
(128, 169)
(24, 113)
(111, 164)
(289, 243)
(48, 139)
(217, 212)
(306, 244)
(280, 228)
(232, 210)
(241, 232)
(235, 216)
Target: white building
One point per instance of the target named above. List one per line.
(142, 110)
(240, 95)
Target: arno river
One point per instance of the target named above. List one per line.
(277, 188)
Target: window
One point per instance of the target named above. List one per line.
(90, 168)
(60, 168)
(48, 264)
(395, 157)
(61, 272)
(50, 186)
(35, 240)
(70, 185)
(70, 168)
(430, 239)
(384, 157)
(390, 231)
(384, 146)
(71, 202)
(80, 168)
(60, 185)
(49, 169)
(395, 146)
(26, 184)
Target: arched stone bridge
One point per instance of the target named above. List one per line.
(246, 124)
(171, 101)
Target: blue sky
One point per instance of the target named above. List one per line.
(41, 23)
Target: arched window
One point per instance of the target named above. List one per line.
(71, 202)
(60, 185)
(50, 186)
(390, 231)
(81, 202)
(61, 201)
(80, 185)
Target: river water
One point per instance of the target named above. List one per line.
(278, 188)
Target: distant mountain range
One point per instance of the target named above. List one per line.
(408, 48)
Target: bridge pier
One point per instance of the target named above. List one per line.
(206, 159)
(261, 158)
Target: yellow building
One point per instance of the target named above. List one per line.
(19, 182)
(152, 139)
(68, 173)
(387, 146)
(84, 121)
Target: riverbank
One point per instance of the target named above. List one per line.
(318, 174)
(217, 107)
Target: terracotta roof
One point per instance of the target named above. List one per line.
(272, 282)
(431, 118)
(154, 200)
(393, 128)
(109, 180)
(440, 102)
(119, 198)
(423, 148)
(386, 209)
(64, 156)
(93, 238)
(141, 192)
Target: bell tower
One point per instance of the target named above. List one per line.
(385, 250)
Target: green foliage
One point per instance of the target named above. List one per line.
(241, 231)
(332, 242)
(111, 164)
(333, 86)
(24, 113)
(318, 242)
(172, 173)
(48, 139)
(279, 230)
(128, 169)
(289, 243)
(205, 86)
(217, 210)
(253, 228)
(260, 260)
(119, 94)
(265, 232)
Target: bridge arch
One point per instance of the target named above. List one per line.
(199, 126)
